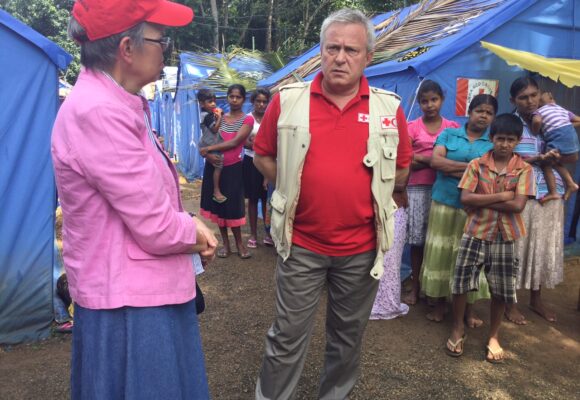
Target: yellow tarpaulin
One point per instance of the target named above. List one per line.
(565, 70)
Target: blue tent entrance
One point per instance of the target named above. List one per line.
(29, 66)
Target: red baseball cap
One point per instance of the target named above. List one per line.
(103, 18)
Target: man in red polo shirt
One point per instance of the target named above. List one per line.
(333, 230)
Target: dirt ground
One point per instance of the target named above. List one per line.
(402, 358)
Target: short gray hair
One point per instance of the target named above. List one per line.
(350, 16)
(101, 54)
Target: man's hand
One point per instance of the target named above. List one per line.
(203, 152)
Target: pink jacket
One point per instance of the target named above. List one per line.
(125, 232)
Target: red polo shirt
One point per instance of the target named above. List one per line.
(335, 214)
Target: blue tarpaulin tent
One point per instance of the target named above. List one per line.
(178, 116)
(29, 86)
(550, 28)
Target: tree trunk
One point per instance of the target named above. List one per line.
(226, 23)
(269, 26)
(216, 21)
(309, 18)
(242, 38)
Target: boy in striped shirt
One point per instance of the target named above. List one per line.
(495, 188)
(557, 126)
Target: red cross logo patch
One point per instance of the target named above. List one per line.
(364, 118)
(388, 122)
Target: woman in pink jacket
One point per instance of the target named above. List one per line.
(128, 243)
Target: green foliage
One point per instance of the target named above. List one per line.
(295, 27)
(50, 18)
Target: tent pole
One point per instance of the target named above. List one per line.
(414, 98)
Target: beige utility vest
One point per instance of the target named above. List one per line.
(293, 144)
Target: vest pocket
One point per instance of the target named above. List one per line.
(388, 164)
(278, 202)
(388, 232)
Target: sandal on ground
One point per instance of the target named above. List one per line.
(223, 253)
(451, 347)
(268, 241)
(245, 255)
(494, 354)
(219, 200)
(65, 328)
(252, 244)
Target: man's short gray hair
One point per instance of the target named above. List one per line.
(350, 16)
(101, 54)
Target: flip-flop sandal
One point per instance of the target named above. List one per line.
(252, 244)
(268, 241)
(223, 253)
(494, 353)
(451, 351)
(65, 328)
(245, 255)
(219, 201)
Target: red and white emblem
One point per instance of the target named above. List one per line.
(388, 122)
(364, 118)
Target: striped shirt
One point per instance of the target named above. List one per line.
(482, 177)
(228, 131)
(531, 146)
(553, 117)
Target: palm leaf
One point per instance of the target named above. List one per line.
(254, 68)
(431, 20)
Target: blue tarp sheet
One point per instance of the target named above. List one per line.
(545, 27)
(178, 116)
(29, 86)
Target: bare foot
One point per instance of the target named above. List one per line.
(494, 353)
(570, 190)
(551, 196)
(514, 315)
(438, 313)
(543, 312)
(472, 320)
(410, 298)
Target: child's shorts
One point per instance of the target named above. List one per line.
(563, 139)
(498, 261)
(220, 163)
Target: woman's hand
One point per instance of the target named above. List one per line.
(203, 151)
(207, 241)
(552, 155)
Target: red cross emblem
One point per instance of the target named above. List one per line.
(388, 121)
(363, 118)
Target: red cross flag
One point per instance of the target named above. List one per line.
(468, 88)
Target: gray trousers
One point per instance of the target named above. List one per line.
(300, 282)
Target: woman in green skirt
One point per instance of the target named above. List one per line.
(454, 149)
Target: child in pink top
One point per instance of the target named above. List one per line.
(423, 132)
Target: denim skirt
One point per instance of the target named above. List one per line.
(138, 353)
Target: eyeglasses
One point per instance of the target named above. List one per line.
(165, 42)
